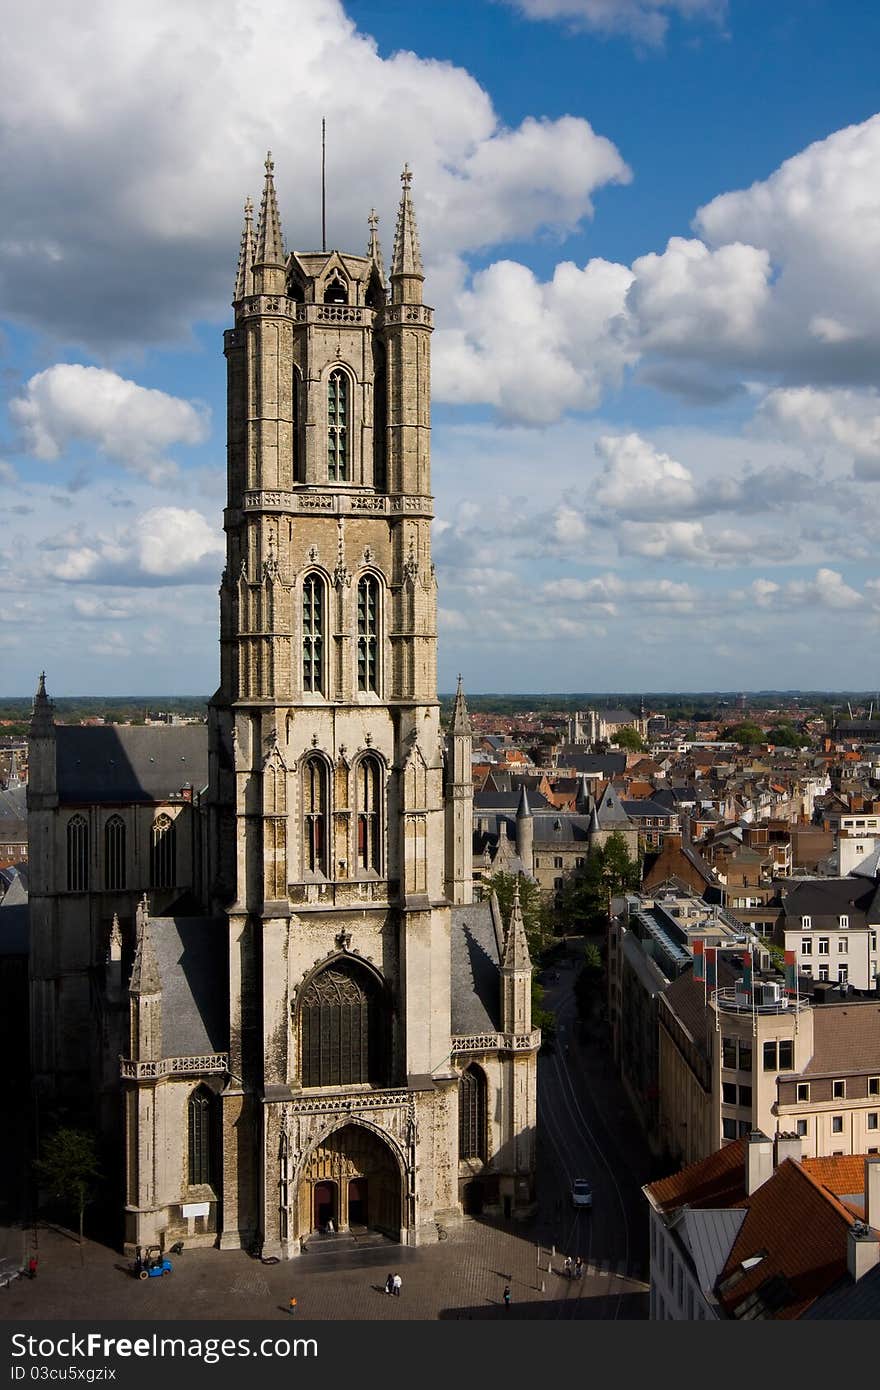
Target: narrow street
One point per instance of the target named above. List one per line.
(586, 1130)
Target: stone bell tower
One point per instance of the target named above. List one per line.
(326, 838)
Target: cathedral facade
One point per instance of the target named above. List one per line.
(255, 952)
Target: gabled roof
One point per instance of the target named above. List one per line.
(129, 763)
(475, 964)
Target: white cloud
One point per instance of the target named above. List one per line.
(827, 590)
(693, 541)
(845, 420)
(637, 480)
(113, 251)
(696, 300)
(535, 350)
(644, 20)
(166, 545)
(69, 404)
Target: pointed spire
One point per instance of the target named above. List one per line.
(270, 242)
(145, 971)
(114, 945)
(42, 723)
(523, 808)
(584, 799)
(244, 280)
(406, 258)
(516, 947)
(461, 722)
(374, 250)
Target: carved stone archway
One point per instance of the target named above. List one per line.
(367, 1179)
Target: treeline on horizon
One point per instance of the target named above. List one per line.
(729, 706)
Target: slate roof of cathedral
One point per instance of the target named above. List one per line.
(191, 953)
(125, 763)
(475, 961)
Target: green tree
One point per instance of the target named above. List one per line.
(588, 985)
(630, 739)
(69, 1167)
(537, 916)
(608, 872)
(786, 736)
(745, 734)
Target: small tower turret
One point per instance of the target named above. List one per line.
(244, 278)
(459, 804)
(269, 259)
(516, 974)
(145, 991)
(525, 833)
(407, 274)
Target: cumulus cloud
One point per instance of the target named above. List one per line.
(638, 480)
(167, 545)
(845, 420)
(692, 541)
(644, 20)
(133, 426)
(109, 250)
(608, 591)
(535, 349)
(697, 300)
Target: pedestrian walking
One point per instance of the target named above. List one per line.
(566, 1266)
(506, 1295)
(389, 1284)
(291, 1307)
(396, 1285)
(32, 1267)
(578, 1268)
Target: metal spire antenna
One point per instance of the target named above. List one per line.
(323, 184)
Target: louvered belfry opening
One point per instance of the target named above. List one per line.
(343, 1028)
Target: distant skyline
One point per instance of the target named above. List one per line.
(652, 236)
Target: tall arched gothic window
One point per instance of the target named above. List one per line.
(343, 1028)
(313, 633)
(114, 853)
(315, 815)
(337, 428)
(201, 1136)
(369, 819)
(472, 1114)
(77, 855)
(368, 633)
(163, 853)
(380, 417)
(294, 428)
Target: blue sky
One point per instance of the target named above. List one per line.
(651, 231)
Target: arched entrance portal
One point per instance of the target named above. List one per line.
(353, 1178)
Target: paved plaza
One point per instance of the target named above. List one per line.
(461, 1277)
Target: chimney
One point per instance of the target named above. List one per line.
(872, 1192)
(787, 1145)
(759, 1160)
(862, 1250)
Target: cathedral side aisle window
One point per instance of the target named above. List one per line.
(77, 855)
(315, 784)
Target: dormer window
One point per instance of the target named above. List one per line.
(336, 290)
(844, 920)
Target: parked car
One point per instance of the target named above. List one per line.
(581, 1193)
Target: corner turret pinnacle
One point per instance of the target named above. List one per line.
(374, 250)
(244, 279)
(269, 257)
(523, 808)
(42, 723)
(516, 947)
(461, 723)
(145, 971)
(406, 258)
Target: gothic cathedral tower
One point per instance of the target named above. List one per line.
(327, 827)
